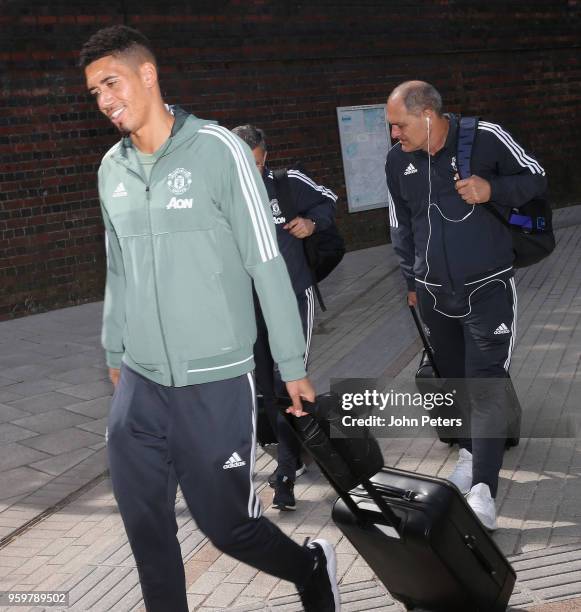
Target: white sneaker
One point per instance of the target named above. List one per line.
(301, 469)
(481, 502)
(462, 474)
(321, 593)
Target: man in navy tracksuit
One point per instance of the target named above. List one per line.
(457, 258)
(315, 205)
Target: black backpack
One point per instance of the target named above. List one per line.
(325, 248)
(530, 225)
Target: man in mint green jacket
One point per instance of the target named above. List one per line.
(188, 230)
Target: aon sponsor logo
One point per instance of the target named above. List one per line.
(180, 203)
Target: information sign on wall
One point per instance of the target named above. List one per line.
(365, 141)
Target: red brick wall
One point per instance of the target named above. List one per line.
(282, 65)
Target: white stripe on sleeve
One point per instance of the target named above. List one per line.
(309, 181)
(524, 160)
(264, 236)
(392, 214)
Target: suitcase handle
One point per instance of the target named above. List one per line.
(427, 345)
(307, 428)
(472, 543)
(389, 515)
(405, 494)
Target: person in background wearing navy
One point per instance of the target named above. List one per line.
(316, 206)
(457, 258)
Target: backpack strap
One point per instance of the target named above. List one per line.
(466, 136)
(467, 128)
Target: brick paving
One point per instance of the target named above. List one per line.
(54, 398)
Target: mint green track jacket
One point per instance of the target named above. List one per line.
(181, 254)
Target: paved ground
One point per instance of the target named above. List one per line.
(58, 521)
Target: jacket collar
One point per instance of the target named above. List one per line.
(185, 126)
(450, 145)
(180, 116)
(452, 137)
(125, 152)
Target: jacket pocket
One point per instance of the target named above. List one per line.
(142, 335)
(197, 321)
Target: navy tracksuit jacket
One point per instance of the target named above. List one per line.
(459, 260)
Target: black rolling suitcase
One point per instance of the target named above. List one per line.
(425, 544)
(425, 376)
(427, 371)
(417, 533)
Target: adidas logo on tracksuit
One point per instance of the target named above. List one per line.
(120, 191)
(411, 169)
(502, 329)
(234, 462)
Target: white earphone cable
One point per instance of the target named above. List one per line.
(430, 204)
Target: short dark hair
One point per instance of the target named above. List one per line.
(116, 40)
(418, 97)
(251, 135)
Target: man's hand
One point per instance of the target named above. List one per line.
(114, 376)
(300, 227)
(474, 190)
(298, 389)
(412, 298)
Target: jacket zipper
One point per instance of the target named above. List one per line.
(446, 261)
(443, 233)
(163, 334)
(148, 197)
(444, 249)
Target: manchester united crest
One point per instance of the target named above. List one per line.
(179, 181)
(275, 207)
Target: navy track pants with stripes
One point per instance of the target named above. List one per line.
(473, 335)
(270, 384)
(204, 438)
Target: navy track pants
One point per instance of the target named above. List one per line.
(473, 337)
(204, 438)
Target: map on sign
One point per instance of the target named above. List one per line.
(365, 141)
